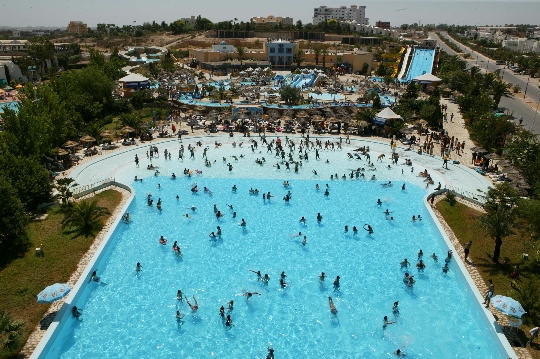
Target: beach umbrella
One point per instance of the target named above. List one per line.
(200, 108)
(53, 292)
(88, 139)
(162, 123)
(492, 156)
(406, 131)
(127, 129)
(243, 110)
(302, 114)
(144, 125)
(479, 149)
(106, 133)
(508, 306)
(61, 152)
(19, 86)
(69, 144)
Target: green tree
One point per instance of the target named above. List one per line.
(317, 52)
(324, 53)
(40, 49)
(299, 24)
(491, 131)
(500, 89)
(13, 219)
(377, 105)
(523, 150)
(365, 69)
(240, 54)
(202, 23)
(500, 215)
(10, 331)
(299, 57)
(289, 94)
(83, 218)
(178, 27)
(411, 93)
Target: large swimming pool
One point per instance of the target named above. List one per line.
(133, 316)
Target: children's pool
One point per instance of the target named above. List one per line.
(133, 316)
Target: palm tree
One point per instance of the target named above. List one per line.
(10, 331)
(241, 51)
(324, 53)
(299, 57)
(317, 53)
(475, 70)
(83, 218)
(498, 90)
(500, 215)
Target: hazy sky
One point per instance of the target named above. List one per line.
(60, 12)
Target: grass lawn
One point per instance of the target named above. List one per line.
(25, 277)
(464, 222)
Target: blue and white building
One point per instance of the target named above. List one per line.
(280, 52)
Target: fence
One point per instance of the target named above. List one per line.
(82, 191)
(477, 199)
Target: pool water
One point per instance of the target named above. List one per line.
(133, 316)
(13, 105)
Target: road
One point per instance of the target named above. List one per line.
(514, 106)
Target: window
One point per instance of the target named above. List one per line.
(280, 50)
(272, 50)
(289, 50)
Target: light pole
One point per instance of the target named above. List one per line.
(526, 87)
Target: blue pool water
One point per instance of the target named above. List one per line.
(422, 63)
(14, 105)
(133, 316)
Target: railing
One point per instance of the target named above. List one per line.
(82, 191)
(475, 198)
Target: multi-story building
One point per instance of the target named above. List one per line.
(342, 13)
(189, 20)
(272, 20)
(383, 24)
(223, 48)
(77, 27)
(280, 52)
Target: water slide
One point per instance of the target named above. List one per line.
(405, 63)
(421, 63)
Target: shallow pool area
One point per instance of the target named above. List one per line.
(13, 105)
(130, 314)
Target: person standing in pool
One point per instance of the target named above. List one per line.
(231, 305)
(322, 277)
(386, 322)
(248, 295)
(258, 273)
(336, 283)
(369, 229)
(319, 217)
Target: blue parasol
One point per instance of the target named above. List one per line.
(508, 306)
(53, 292)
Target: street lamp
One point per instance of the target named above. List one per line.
(527, 86)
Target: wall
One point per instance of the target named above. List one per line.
(14, 71)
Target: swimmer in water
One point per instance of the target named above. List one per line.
(420, 254)
(258, 273)
(405, 264)
(222, 311)
(234, 188)
(435, 258)
(179, 295)
(179, 316)
(304, 241)
(369, 229)
(243, 223)
(379, 202)
(445, 268)
(319, 217)
(346, 228)
(386, 322)
(193, 306)
(228, 322)
(138, 267)
(336, 283)
(395, 308)
(282, 283)
(265, 279)
(333, 309)
(248, 295)
(322, 277)
(231, 305)
(355, 230)
(317, 187)
(303, 220)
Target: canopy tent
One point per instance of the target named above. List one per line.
(427, 79)
(387, 113)
(135, 81)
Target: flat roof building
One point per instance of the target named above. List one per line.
(77, 27)
(383, 24)
(189, 20)
(272, 20)
(342, 13)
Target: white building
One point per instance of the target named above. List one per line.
(223, 48)
(368, 30)
(272, 20)
(342, 13)
(521, 45)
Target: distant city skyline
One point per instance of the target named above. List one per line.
(59, 13)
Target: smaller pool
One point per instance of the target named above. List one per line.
(12, 105)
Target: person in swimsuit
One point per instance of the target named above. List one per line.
(333, 309)
(336, 283)
(386, 322)
(194, 306)
(231, 305)
(322, 277)
(405, 263)
(250, 294)
(179, 295)
(258, 273)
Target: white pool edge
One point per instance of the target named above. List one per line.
(497, 334)
(62, 316)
